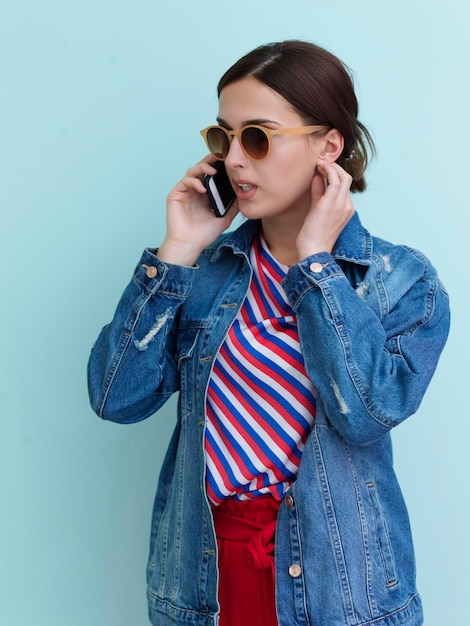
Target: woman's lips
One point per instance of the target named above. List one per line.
(244, 189)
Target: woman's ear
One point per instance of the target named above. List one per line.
(334, 144)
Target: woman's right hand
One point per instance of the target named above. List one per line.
(191, 225)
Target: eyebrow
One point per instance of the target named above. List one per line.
(257, 122)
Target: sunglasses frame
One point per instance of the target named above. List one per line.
(269, 132)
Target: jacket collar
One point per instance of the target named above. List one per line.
(354, 243)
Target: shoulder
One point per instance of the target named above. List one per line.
(358, 246)
(393, 271)
(401, 262)
(407, 282)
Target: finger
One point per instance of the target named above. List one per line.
(209, 158)
(318, 187)
(189, 182)
(334, 173)
(194, 176)
(338, 180)
(201, 168)
(343, 192)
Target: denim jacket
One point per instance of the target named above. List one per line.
(372, 320)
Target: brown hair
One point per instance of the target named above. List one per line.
(319, 86)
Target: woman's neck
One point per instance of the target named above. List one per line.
(281, 240)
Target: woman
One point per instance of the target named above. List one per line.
(296, 343)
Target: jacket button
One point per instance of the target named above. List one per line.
(295, 570)
(151, 271)
(316, 267)
(289, 500)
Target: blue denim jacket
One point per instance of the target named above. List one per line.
(372, 319)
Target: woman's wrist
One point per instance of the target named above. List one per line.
(178, 253)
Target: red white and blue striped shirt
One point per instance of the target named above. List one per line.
(260, 403)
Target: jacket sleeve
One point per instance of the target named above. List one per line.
(132, 368)
(371, 363)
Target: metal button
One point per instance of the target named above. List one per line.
(316, 267)
(151, 271)
(289, 500)
(295, 570)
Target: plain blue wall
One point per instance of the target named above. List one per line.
(101, 103)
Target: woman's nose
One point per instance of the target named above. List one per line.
(235, 157)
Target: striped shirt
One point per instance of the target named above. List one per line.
(260, 402)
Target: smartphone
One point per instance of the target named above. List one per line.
(219, 190)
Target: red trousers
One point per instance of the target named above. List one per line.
(245, 541)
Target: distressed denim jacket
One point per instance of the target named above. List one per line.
(372, 320)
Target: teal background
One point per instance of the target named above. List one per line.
(101, 103)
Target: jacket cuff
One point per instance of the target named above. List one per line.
(157, 276)
(312, 271)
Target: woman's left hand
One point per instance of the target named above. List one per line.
(331, 210)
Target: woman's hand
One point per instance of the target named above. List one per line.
(331, 210)
(191, 225)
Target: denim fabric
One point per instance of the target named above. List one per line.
(373, 319)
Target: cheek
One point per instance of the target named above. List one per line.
(294, 177)
(295, 166)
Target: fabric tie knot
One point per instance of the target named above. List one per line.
(261, 547)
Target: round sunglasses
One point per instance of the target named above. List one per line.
(255, 140)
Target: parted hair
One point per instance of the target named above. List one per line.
(320, 88)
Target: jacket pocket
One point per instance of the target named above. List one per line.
(383, 538)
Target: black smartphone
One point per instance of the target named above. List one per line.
(219, 190)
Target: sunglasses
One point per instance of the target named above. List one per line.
(255, 140)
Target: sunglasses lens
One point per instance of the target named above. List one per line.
(255, 141)
(218, 142)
